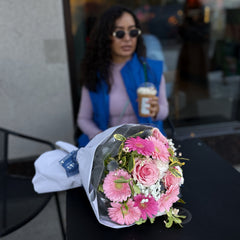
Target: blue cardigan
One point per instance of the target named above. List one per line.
(133, 75)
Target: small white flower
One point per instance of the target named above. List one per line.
(144, 200)
(142, 163)
(154, 190)
(171, 145)
(126, 149)
(175, 211)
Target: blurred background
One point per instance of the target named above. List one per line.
(199, 42)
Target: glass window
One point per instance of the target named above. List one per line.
(199, 42)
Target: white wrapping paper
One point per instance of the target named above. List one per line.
(50, 176)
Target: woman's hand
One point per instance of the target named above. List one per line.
(154, 106)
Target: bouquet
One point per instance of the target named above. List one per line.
(131, 173)
(143, 179)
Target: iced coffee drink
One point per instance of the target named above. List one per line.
(145, 92)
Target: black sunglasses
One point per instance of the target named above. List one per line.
(132, 33)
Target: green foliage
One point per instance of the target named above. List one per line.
(123, 162)
(100, 188)
(107, 160)
(181, 201)
(125, 205)
(171, 151)
(123, 180)
(132, 189)
(131, 162)
(140, 221)
(119, 137)
(173, 218)
(136, 188)
(175, 172)
(152, 220)
(175, 161)
(137, 134)
(120, 151)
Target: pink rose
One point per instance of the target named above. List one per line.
(171, 180)
(146, 172)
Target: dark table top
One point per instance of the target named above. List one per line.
(211, 191)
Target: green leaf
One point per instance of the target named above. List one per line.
(181, 216)
(177, 220)
(175, 172)
(185, 159)
(175, 159)
(172, 218)
(131, 163)
(140, 221)
(171, 151)
(107, 160)
(122, 180)
(169, 222)
(136, 189)
(120, 151)
(125, 205)
(119, 137)
(181, 201)
(135, 154)
(169, 213)
(152, 220)
(176, 163)
(124, 161)
(171, 159)
(100, 188)
(136, 134)
(122, 211)
(131, 187)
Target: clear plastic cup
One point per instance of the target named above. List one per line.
(145, 91)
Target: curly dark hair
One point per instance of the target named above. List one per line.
(98, 55)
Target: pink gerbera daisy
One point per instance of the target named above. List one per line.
(142, 146)
(167, 199)
(158, 135)
(119, 214)
(117, 192)
(160, 150)
(147, 205)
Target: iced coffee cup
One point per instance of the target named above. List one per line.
(145, 91)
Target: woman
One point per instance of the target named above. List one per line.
(112, 70)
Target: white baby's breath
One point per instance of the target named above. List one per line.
(171, 145)
(126, 149)
(154, 190)
(144, 200)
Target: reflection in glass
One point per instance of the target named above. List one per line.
(199, 42)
